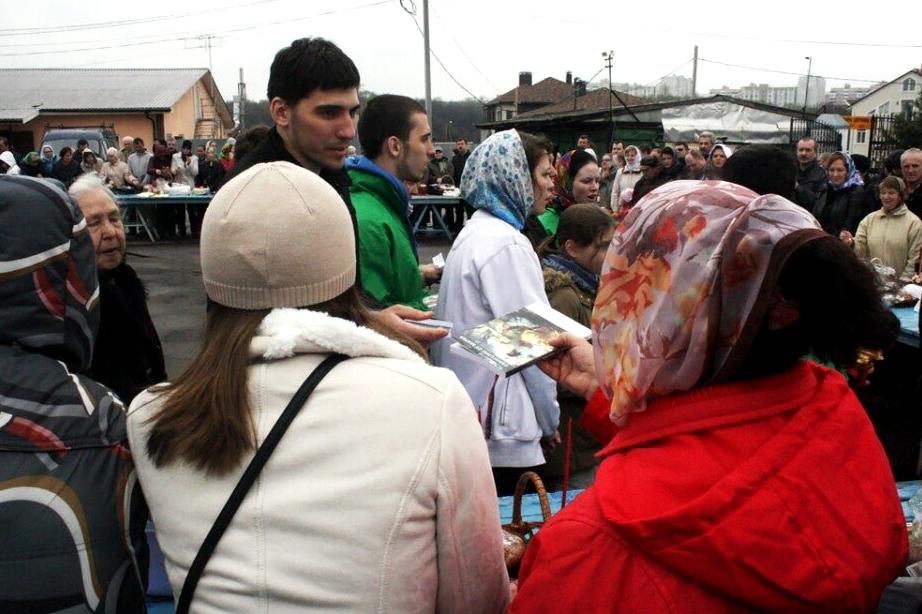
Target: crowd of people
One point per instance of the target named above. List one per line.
(326, 449)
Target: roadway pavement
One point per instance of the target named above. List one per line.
(176, 297)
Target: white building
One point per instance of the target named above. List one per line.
(893, 98)
(815, 95)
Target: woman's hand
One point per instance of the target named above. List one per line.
(573, 367)
(399, 318)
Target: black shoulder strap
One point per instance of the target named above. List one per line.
(249, 477)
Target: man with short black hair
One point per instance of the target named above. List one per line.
(138, 161)
(680, 148)
(314, 101)
(811, 177)
(396, 138)
(653, 177)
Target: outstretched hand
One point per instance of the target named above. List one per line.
(399, 318)
(573, 367)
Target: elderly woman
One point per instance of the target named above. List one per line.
(493, 270)
(741, 477)
(842, 204)
(626, 177)
(892, 234)
(48, 160)
(115, 172)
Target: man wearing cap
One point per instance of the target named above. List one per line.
(438, 168)
(314, 102)
(396, 138)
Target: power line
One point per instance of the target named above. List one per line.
(123, 22)
(786, 72)
(173, 38)
(461, 49)
(675, 70)
(411, 11)
(804, 42)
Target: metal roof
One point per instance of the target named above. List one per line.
(105, 89)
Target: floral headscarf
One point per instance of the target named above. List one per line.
(635, 167)
(854, 176)
(685, 287)
(567, 168)
(496, 178)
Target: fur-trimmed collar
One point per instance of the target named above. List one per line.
(286, 332)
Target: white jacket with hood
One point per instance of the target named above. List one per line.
(378, 498)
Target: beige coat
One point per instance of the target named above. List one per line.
(378, 499)
(894, 238)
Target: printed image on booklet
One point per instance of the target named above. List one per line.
(517, 340)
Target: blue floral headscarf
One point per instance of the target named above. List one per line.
(496, 178)
(854, 177)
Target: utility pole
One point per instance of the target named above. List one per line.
(807, 87)
(242, 101)
(609, 56)
(426, 62)
(695, 74)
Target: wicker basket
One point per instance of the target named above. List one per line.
(518, 533)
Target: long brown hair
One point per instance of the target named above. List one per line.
(206, 419)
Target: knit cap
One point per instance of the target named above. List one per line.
(277, 235)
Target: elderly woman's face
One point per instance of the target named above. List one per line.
(112, 157)
(542, 184)
(49, 152)
(837, 172)
(890, 199)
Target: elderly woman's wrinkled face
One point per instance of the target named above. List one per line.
(104, 222)
(837, 172)
(890, 199)
(112, 158)
(718, 157)
(542, 184)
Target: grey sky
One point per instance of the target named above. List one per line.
(484, 43)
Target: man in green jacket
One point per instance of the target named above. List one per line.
(396, 141)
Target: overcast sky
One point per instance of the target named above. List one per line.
(483, 43)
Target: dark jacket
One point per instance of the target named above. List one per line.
(457, 164)
(71, 513)
(128, 356)
(576, 303)
(272, 149)
(210, 175)
(66, 173)
(436, 169)
(645, 186)
(838, 210)
(914, 201)
(811, 181)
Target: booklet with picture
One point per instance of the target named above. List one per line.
(517, 340)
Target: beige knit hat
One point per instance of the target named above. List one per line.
(277, 235)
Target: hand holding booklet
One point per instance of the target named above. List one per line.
(517, 340)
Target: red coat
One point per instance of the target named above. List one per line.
(770, 494)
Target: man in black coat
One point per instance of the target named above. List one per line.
(811, 177)
(314, 102)
(128, 357)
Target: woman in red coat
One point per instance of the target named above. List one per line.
(736, 476)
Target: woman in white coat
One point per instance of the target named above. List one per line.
(493, 270)
(378, 497)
